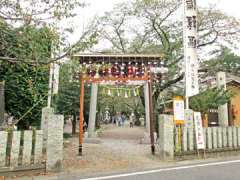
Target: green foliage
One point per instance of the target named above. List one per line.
(26, 43)
(25, 84)
(68, 97)
(227, 61)
(209, 99)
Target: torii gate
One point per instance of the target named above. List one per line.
(114, 68)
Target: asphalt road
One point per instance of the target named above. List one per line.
(226, 170)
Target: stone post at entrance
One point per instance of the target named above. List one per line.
(223, 109)
(166, 137)
(46, 112)
(93, 111)
(54, 142)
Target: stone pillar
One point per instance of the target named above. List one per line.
(93, 111)
(188, 118)
(2, 104)
(209, 138)
(46, 112)
(223, 109)
(238, 134)
(184, 138)
(225, 139)
(235, 137)
(166, 137)
(14, 155)
(38, 151)
(214, 133)
(205, 137)
(3, 147)
(147, 108)
(219, 132)
(55, 142)
(230, 137)
(190, 139)
(27, 147)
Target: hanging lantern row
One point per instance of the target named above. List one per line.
(122, 92)
(131, 69)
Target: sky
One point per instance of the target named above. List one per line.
(98, 7)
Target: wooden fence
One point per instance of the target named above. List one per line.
(215, 138)
(21, 150)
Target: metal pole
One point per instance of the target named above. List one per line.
(81, 118)
(151, 115)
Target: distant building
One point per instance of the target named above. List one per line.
(232, 84)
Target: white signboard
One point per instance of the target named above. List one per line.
(190, 47)
(199, 130)
(178, 108)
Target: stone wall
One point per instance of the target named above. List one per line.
(215, 139)
(13, 154)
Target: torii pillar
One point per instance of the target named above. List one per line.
(93, 111)
(147, 108)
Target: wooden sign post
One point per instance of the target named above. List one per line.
(199, 133)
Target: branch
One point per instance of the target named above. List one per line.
(171, 82)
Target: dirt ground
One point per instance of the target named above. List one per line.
(119, 150)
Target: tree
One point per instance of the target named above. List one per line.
(153, 26)
(48, 14)
(30, 35)
(209, 99)
(67, 100)
(38, 11)
(26, 85)
(226, 61)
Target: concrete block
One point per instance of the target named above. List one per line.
(3, 147)
(27, 148)
(166, 141)
(14, 155)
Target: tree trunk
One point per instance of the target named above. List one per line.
(74, 123)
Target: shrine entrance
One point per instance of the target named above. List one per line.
(118, 70)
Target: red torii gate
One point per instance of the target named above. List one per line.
(123, 68)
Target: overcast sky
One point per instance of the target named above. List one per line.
(98, 7)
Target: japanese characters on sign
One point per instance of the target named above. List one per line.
(199, 130)
(190, 47)
(178, 110)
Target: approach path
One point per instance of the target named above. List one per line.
(119, 150)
